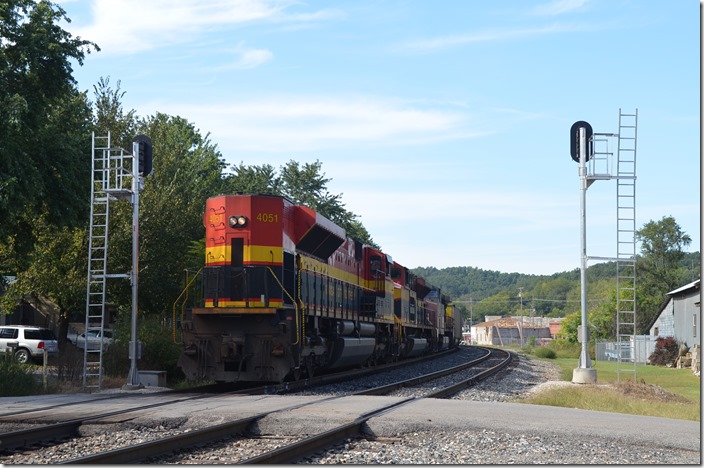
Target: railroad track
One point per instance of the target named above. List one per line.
(196, 437)
(46, 433)
(312, 444)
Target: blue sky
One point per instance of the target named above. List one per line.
(444, 124)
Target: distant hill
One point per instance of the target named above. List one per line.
(487, 292)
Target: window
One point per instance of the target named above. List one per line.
(656, 331)
(694, 324)
(10, 333)
(237, 252)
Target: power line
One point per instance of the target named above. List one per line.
(516, 301)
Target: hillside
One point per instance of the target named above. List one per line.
(486, 292)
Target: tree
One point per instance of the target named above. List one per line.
(187, 170)
(259, 180)
(658, 269)
(109, 117)
(302, 184)
(43, 136)
(57, 270)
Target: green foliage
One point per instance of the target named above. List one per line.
(259, 180)
(659, 266)
(45, 133)
(568, 331)
(187, 170)
(303, 184)
(109, 117)
(56, 270)
(159, 352)
(662, 268)
(17, 379)
(545, 353)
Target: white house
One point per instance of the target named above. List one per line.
(680, 318)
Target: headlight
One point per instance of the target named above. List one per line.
(237, 221)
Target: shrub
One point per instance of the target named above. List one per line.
(159, 352)
(545, 353)
(17, 379)
(666, 352)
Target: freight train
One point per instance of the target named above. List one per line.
(286, 294)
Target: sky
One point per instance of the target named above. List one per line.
(444, 125)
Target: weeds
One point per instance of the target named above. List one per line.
(17, 379)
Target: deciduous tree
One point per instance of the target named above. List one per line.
(658, 269)
(44, 133)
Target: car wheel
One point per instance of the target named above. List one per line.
(22, 356)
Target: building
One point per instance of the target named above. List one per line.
(680, 317)
(509, 331)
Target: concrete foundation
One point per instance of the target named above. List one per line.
(152, 378)
(584, 375)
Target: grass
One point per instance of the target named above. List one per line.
(657, 391)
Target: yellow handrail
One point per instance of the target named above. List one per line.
(185, 291)
(295, 305)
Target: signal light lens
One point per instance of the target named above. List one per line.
(237, 221)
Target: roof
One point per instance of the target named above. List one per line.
(509, 322)
(685, 288)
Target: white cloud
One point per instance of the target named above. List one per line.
(445, 42)
(245, 58)
(129, 26)
(559, 7)
(303, 123)
(252, 58)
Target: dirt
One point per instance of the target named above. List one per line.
(649, 392)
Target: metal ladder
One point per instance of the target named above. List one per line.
(108, 179)
(626, 329)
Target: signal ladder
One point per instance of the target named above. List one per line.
(111, 179)
(601, 168)
(626, 330)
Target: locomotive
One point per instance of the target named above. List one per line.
(286, 294)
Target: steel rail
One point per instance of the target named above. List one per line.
(384, 389)
(159, 447)
(452, 389)
(290, 453)
(316, 442)
(287, 454)
(67, 429)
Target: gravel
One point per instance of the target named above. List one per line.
(487, 447)
(423, 447)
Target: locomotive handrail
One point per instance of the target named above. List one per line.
(185, 291)
(295, 305)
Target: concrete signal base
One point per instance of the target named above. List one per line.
(584, 376)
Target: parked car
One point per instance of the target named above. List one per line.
(92, 337)
(28, 341)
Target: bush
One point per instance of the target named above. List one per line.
(565, 349)
(17, 379)
(545, 353)
(159, 352)
(666, 352)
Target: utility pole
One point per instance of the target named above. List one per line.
(520, 295)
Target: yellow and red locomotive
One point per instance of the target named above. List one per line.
(286, 294)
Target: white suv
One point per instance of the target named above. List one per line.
(28, 341)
